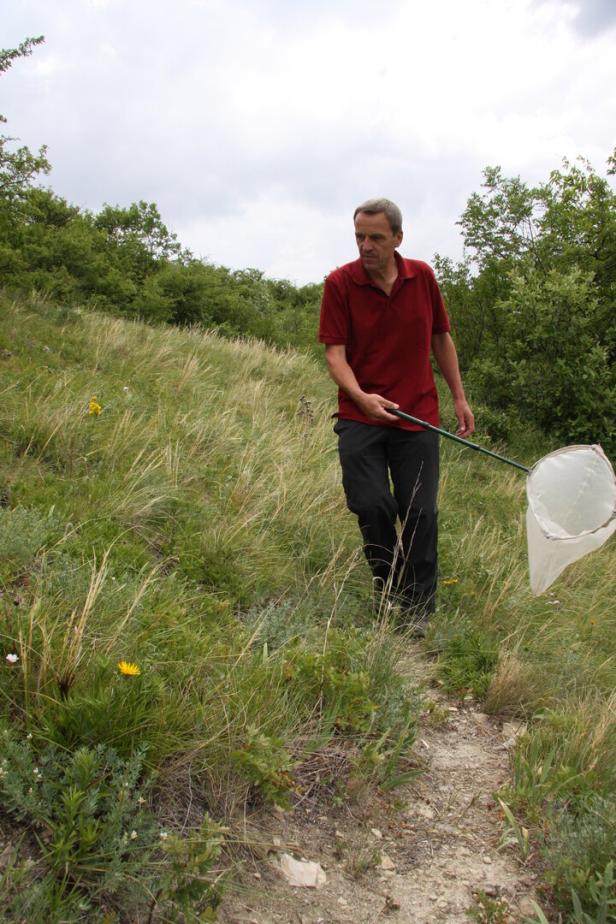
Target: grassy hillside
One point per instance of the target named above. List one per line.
(170, 503)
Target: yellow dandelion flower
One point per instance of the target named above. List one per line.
(450, 581)
(94, 407)
(128, 669)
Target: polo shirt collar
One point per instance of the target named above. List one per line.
(361, 277)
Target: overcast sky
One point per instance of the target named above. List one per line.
(258, 125)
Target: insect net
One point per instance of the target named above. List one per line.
(571, 510)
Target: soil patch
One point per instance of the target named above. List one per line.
(431, 853)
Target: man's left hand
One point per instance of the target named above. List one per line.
(466, 420)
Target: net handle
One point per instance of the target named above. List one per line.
(453, 436)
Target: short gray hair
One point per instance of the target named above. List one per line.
(376, 206)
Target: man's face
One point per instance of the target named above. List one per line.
(376, 241)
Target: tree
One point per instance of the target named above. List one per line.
(19, 167)
(551, 368)
(534, 301)
(141, 227)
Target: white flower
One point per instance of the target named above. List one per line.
(163, 835)
(12, 658)
(133, 835)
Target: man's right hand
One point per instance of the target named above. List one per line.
(375, 407)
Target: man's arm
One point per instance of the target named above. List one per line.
(372, 405)
(445, 354)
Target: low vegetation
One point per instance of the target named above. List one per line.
(184, 626)
(186, 621)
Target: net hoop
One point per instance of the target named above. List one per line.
(571, 510)
(607, 474)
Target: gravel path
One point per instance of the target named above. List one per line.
(430, 858)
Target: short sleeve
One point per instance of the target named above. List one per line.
(440, 318)
(334, 322)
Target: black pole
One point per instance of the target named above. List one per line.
(453, 436)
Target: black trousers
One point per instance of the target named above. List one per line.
(405, 564)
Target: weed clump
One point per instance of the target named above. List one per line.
(100, 848)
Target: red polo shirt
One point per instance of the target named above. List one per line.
(387, 337)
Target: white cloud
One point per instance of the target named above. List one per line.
(223, 112)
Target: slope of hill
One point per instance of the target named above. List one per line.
(187, 624)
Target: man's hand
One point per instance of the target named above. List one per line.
(375, 407)
(466, 420)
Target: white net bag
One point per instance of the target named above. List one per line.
(571, 510)
(571, 504)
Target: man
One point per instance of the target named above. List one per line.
(381, 317)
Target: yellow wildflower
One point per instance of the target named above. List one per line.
(128, 669)
(450, 581)
(94, 407)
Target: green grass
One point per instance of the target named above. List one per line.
(193, 527)
(197, 528)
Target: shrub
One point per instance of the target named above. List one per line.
(100, 850)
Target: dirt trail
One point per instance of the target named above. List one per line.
(425, 861)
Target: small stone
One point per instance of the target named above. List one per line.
(526, 906)
(339, 835)
(302, 872)
(513, 730)
(425, 811)
(386, 862)
(342, 901)
(378, 834)
(487, 860)
(276, 842)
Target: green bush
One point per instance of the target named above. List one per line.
(267, 765)
(468, 658)
(567, 389)
(99, 850)
(24, 533)
(580, 847)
